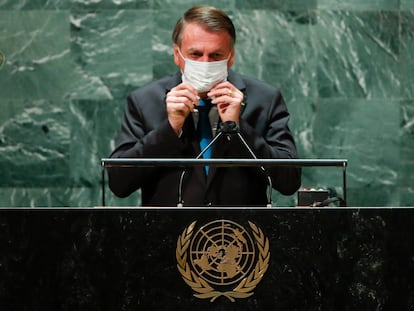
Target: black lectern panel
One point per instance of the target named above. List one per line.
(206, 259)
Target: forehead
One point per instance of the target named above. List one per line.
(196, 37)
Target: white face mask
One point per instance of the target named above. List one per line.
(204, 75)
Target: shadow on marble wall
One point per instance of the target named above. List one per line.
(344, 67)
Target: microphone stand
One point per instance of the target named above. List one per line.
(230, 128)
(180, 184)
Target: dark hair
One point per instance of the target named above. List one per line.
(211, 18)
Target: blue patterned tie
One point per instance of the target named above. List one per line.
(204, 127)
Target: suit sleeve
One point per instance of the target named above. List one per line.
(270, 138)
(143, 134)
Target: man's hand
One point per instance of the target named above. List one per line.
(228, 100)
(180, 102)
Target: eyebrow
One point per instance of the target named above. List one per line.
(193, 50)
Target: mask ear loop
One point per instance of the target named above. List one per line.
(179, 52)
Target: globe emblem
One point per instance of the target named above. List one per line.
(222, 252)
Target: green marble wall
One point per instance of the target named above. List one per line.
(344, 67)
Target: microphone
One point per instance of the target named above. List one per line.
(229, 128)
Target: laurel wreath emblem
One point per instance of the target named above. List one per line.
(202, 288)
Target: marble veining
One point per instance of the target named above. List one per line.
(345, 69)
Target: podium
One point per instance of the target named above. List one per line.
(137, 259)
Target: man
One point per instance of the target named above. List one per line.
(162, 121)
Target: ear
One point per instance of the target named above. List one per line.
(231, 59)
(177, 56)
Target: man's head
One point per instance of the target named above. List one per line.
(205, 34)
(210, 18)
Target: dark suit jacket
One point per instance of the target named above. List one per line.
(146, 133)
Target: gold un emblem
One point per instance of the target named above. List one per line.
(222, 258)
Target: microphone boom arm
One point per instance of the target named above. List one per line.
(229, 128)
